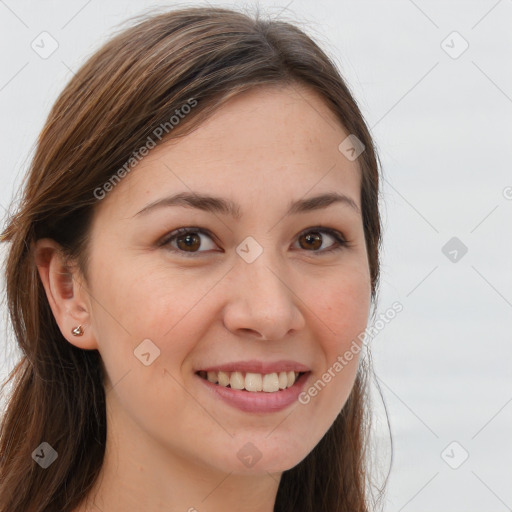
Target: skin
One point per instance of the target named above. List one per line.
(170, 444)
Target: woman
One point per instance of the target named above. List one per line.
(190, 274)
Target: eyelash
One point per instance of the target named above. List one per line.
(340, 242)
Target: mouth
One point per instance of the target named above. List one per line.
(255, 386)
(275, 382)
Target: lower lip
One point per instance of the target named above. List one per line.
(259, 401)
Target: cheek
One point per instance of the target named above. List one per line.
(143, 300)
(341, 305)
(136, 303)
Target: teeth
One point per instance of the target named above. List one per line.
(236, 381)
(253, 382)
(269, 383)
(223, 378)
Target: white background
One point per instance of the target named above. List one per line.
(443, 130)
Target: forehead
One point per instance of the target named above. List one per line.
(267, 142)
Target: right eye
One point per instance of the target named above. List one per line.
(188, 241)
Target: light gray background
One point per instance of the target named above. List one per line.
(443, 129)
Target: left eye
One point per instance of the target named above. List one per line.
(188, 240)
(314, 239)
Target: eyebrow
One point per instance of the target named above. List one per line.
(224, 206)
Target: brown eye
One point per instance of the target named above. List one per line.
(313, 239)
(187, 241)
(190, 241)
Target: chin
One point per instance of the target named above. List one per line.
(260, 456)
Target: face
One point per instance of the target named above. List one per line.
(252, 298)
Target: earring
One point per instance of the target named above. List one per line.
(77, 331)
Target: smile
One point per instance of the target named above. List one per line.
(254, 385)
(254, 382)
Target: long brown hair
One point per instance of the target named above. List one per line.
(120, 96)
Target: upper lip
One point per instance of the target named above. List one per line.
(258, 367)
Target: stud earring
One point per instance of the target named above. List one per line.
(77, 331)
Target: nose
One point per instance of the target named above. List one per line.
(262, 302)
